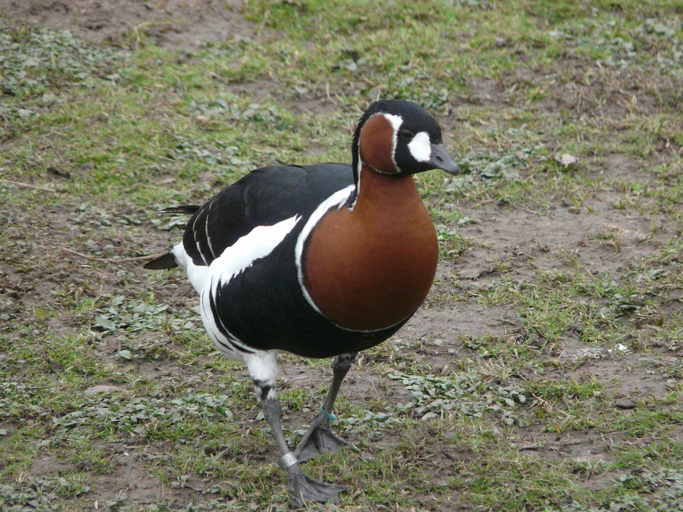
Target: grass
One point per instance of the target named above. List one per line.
(543, 373)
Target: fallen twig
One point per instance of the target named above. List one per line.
(113, 260)
(531, 447)
(27, 185)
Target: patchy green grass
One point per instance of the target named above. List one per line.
(543, 373)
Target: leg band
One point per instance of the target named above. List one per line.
(329, 415)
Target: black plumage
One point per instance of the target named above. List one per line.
(261, 198)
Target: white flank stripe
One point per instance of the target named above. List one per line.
(420, 147)
(210, 322)
(226, 344)
(241, 255)
(335, 200)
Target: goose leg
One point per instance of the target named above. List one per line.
(319, 438)
(302, 489)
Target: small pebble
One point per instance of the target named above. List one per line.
(102, 388)
(625, 403)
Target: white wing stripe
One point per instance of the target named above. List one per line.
(256, 244)
(206, 231)
(196, 239)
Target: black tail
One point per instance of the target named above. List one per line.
(165, 261)
(168, 260)
(187, 209)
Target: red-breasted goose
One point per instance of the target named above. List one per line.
(319, 260)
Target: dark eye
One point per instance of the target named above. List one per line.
(406, 133)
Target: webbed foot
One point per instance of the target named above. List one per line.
(319, 439)
(304, 489)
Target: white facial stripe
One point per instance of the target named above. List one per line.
(396, 122)
(421, 147)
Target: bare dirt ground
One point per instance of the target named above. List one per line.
(170, 23)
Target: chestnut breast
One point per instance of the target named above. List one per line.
(371, 267)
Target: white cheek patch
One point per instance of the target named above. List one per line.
(421, 147)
